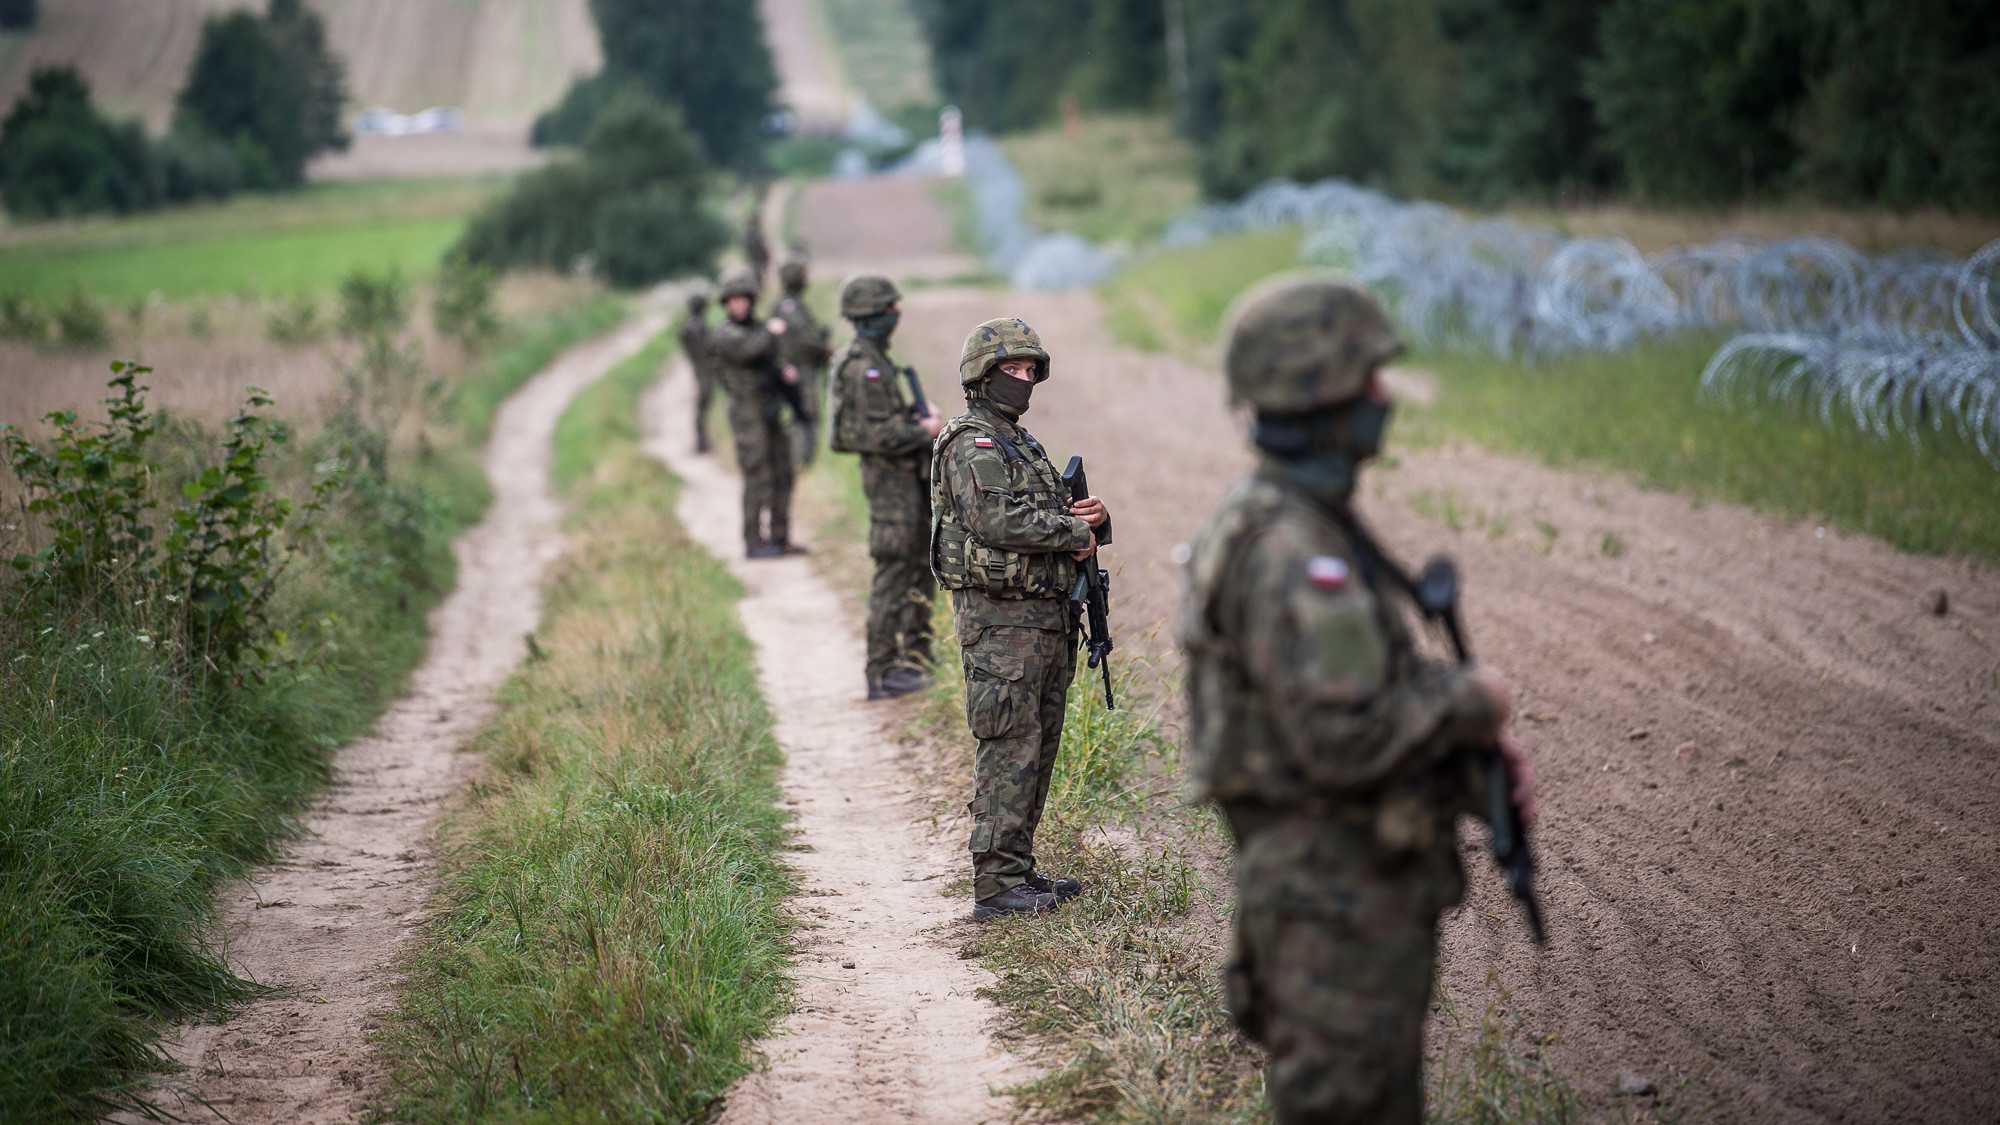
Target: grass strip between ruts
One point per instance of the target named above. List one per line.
(129, 794)
(610, 937)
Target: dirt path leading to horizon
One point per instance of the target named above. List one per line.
(324, 925)
(1769, 772)
(888, 1026)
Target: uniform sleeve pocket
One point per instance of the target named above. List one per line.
(996, 699)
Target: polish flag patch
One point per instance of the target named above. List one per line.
(983, 442)
(874, 374)
(1328, 572)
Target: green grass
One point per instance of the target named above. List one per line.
(1121, 179)
(609, 939)
(270, 245)
(1638, 411)
(129, 792)
(882, 49)
(1641, 411)
(1175, 300)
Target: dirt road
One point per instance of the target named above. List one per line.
(888, 1027)
(324, 925)
(1770, 772)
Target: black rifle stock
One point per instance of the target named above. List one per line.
(1091, 599)
(1437, 595)
(921, 407)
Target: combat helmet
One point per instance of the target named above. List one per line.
(792, 273)
(1306, 342)
(866, 294)
(737, 281)
(995, 340)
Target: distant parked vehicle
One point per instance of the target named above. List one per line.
(382, 121)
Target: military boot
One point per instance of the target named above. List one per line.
(763, 551)
(1063, 889)
(1022, 899)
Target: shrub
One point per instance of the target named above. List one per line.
(60, 156)
(462, 303)
(296, 322)
(636, 202)
(80, 322)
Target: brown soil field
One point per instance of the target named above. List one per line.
(1769, 770)
(499, 60)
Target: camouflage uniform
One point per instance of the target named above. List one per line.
(873, 415)
(745, 355)
(694, 344)
(806, 345)
(1341, 759)
(1001, 537)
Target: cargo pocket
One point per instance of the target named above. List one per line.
(895, 539)
(982, 839)
(996, 701)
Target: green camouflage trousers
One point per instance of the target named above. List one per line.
(899, 525)
(1016, 683)
(1336, 945)
(764, 454)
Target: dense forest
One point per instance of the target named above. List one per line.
(1894, 102)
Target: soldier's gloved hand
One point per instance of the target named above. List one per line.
(1520, 771)
(932, 422)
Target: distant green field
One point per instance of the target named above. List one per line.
(264, 245)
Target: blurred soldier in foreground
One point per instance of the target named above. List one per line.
(694, 344)
(745, 353)
(1005, 540)
(879, 412)
(803, 348)
(1340, 756)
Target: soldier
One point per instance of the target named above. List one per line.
(745, 352)
(1339, 755)
(804, 348)
(756, 251)
(694, 344)
(876, 415)
(1005, 541)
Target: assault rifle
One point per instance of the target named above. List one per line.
(921, 406)
(1090, 600)
(1436, 593)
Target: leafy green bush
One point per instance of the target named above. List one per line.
(635, 204)
(462, 304)
(269, 89)
(295, 323)
(709, 60)
(60, 156)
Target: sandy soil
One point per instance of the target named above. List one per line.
(325, 925)
(811, 78)
(1769, 770)
(888, 1026)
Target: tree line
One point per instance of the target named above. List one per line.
(263, 96)
(1892, 102)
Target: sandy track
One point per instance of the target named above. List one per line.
(324, 925)
(1808, 900)
(888, 1026)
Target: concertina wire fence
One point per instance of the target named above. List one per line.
(1895, 341)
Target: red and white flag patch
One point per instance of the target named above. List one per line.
(983, 442)
(1328, 572)
(874, 374)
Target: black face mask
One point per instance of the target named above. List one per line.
(877, 326)
(1008, 393)
(1323, 450)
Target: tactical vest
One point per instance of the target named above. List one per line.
(1234, 751)
(960, 561)
(846, 399)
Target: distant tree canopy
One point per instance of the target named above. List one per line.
(60, 156)
(18, 14)
(708, 57)
(1685, 101)
(635, 203)
(269, 89)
